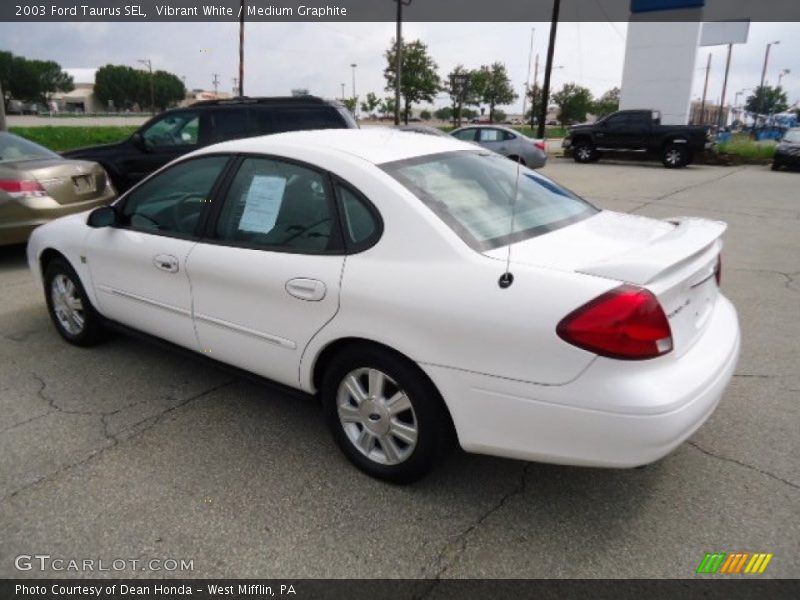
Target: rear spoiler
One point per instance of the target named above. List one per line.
(690, 237)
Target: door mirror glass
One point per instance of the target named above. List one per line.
(104, 216)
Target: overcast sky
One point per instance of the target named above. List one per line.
(317, 56)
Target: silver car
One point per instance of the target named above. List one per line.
(505, 141)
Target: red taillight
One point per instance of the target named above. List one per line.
(627, 322)
(540, 145)
(718, 270)
(18, 188)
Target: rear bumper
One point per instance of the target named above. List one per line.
(615, 414)
(18, 218)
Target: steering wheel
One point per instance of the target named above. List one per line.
(185, 212)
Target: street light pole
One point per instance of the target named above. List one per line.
(149, 63)
(766, 60)
(342, 92)
(528, 74)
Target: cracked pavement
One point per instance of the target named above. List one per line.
(130, 450)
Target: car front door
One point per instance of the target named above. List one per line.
(267, 278)
(613, 132)
(138, 267)
(162, 141)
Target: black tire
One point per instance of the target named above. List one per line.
(584, 152)
(776, 166)
(428, 414)
(92, 331)
(675, 156)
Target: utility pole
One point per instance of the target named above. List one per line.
(724, 90)
(3, 126)
(705, 92)
(149, 64)
(528, 74)
(235, 86)
(548, 68)
(241, 47)
(399, 58)
(215, 83)
(342, 92)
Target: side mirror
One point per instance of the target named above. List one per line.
(139, 141)
(104, 216)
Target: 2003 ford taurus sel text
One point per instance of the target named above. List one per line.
(372, 268)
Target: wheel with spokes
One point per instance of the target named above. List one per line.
(675, 156)
(385, 415)
(70, 310)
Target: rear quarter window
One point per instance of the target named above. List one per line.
(276, 120)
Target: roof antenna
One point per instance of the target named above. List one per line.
(507, 278)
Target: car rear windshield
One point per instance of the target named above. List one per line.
(473, 193)
(13, 148)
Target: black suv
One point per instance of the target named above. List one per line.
(182, 130)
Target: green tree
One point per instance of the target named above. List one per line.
(607, 103)
(121, 85)
(461, 85)
(371, 103)
(495, 87)
(574, 102)
(425, 115)
(534, 94)
(350, 104)
(767, 100)
(386, 107)
(444, 114)
(469, 113)
(6, 68)
(420, 81)
(168, 89)
(500, 116)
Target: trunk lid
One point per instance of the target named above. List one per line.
(675, 259)
(66, 181)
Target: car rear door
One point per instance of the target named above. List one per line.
(494, 139)
(266, 278)
(138, 268)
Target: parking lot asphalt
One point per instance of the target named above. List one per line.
(131, 451)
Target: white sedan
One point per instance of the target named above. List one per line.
(424, 288)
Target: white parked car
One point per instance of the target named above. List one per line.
(369, 267)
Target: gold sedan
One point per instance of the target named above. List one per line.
(37, 186)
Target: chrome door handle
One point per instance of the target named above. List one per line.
(166, 262)
(311, 290)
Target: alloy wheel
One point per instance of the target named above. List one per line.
(377, 416)
(67, 304)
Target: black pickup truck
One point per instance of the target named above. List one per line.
(637, 131)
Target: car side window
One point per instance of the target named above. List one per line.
(360, 223)
(172, 201)
(617, 121)
(175, 129)
(268, 120)
(491, 135)
(229, 124)
(467, 135)
(507, 135)
(277, 205)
